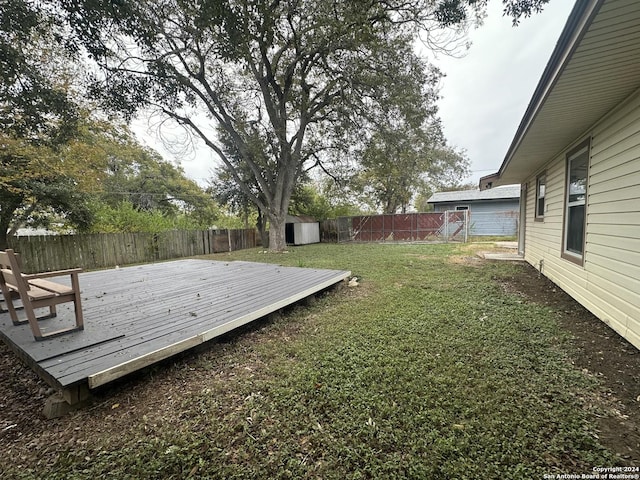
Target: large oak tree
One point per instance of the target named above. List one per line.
(302, 76)
(299, 75)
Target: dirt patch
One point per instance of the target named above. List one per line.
(468, 260)
(598, 351)
(473, 254)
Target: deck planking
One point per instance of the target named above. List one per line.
(137, 316)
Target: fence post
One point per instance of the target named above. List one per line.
(446, 226)
(466, 226)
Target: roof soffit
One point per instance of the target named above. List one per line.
(600, 70)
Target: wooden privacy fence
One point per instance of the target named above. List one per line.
(90, 251)
(401, 227)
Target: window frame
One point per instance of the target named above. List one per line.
(541, 180)
(574, 154)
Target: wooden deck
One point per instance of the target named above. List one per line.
(136, 316)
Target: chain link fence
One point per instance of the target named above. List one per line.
(448, 226)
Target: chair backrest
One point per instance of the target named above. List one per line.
(10, 271)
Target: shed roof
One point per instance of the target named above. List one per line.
(301, 219)
(506, 192)
(593, 68)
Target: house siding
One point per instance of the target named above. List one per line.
(496, 217)
(608, 284)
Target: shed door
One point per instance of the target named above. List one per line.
(289, 236)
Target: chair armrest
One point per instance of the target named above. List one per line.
(56, 273)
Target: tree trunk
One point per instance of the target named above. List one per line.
(4, 235)
(261, 223)
(390, 207)
(7, 211)
(277, 239)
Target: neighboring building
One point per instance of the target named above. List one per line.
(577, 156)
(491, 212)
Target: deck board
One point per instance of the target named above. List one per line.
(136, 316)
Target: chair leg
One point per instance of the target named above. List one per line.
(78, 310)
(4, 307)
(33, 322)
(39, 336)
(35, 327)
(77, 327)
(11, 308)
(77, 304)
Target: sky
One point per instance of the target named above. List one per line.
(486, 92)
(483, 95)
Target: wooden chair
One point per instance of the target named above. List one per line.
(36, 292)
(4, 263)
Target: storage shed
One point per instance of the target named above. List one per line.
(302, 230)
(491, 212)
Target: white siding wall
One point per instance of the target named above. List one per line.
(609, 282)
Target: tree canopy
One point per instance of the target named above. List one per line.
(293, 83)
(35, 186)
(102, 179)
(36, 104)
(135, 182)
(396, 171)
(37, 117)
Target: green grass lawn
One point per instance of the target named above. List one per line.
(426, 370)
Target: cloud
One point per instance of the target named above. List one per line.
(485, 93)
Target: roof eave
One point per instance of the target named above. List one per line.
(577, 24)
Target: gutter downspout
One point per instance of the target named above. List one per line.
(522, 222)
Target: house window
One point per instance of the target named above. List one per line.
(575, 203)
(541, 187)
